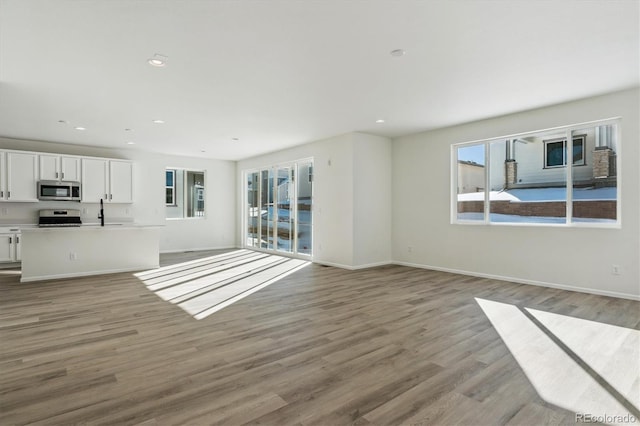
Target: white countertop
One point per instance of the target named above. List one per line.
(87, 227)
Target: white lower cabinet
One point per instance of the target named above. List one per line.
(10, 247)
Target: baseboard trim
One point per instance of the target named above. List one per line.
(86, 274)
(351, 267)
(184, 250)
(523, 281)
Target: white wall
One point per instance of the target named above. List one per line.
(216, 230)
(372, 200)
(345, 168)
(574, 258)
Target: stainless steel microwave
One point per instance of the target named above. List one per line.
(58, 190)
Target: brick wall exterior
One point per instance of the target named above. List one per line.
(601, 209)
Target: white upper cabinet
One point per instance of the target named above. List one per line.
(120, 181)
(94, 180)
(22, 176)
(101, 178)
(70, 168)
(109, 180)
(49, 167)
(57, 167)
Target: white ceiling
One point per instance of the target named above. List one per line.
(280, 73)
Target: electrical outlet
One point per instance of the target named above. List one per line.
(616, 270)
(4, 211)
(85, 210)
(409, 249)
(73, 256)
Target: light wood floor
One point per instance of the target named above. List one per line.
(386, 346)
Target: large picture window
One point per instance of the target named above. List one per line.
(536, 178)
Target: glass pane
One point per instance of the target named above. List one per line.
(253, 210)
(195, 194)
(555, 153)
(578, 149)
(176, 209)
(285, 214)
(267, 213)
(595, 186)
(169, 196)
(169, 177)
(305, 191)
(471, 181)
(528, 179)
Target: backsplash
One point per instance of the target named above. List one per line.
(27, 213)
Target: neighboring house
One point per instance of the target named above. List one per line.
(470, 177)
(540, 160)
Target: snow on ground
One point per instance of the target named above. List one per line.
(542, 194)
(507, 218)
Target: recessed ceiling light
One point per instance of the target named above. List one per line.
(235, 139)
(128, 130)
(158, 121)
(202, 150)
(398, 53)
(80, 128)
(380, 121)
(131, 143)
(158, 60)
(63, 121)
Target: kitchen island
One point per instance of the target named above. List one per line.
(50, 253)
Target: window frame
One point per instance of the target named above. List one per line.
(184, 191)
(172, 187)
(294, 212)
(569, 220)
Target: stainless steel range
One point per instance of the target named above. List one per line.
(59, 218)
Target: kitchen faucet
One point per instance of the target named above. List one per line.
(101, 215)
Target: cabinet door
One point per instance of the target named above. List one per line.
(94, 180)
(22, 176)
(121, 182)
(6, 247)
(70, 168)
(3, 176)
(49, 167)
(18, 245)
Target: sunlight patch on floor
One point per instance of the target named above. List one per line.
(204, 286)
(607, 351)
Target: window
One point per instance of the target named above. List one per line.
(185, 193)
(170, 176)
(556, 152)
(524, 179)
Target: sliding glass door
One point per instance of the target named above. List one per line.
(304, 190)
(278, 209)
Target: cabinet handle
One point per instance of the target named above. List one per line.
(1, 194)
(62, 175)
(17, 240)
(10, 240)
(8, 194)
(110, 197)
(56, 175)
